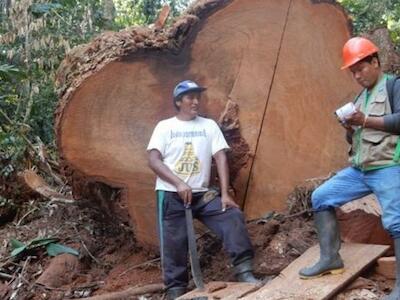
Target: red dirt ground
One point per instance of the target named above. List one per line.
(111, 260)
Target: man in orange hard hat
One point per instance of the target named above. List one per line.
(373, 130)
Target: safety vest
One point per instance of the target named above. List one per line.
(371, 148)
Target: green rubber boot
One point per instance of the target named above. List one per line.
(395, 294)
(330, 261)
(244, 272)
(175, 292)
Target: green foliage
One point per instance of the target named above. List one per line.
(35, 36)
(4, 202)
(12, 145)
(52, 248)
(39, 9)
(8, 72)
(145, 11)
(370, 14)
(16, 244)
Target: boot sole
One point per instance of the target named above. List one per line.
(329, 272)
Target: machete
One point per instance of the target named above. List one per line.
(194, 258)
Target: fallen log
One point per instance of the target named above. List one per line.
(135, 291)
(273, 78)
(37, 184)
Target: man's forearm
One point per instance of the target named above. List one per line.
(388, 123)
(158, 166)
(223, 170)
(164, 172)
(374, 123)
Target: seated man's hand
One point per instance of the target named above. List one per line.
(227, 201)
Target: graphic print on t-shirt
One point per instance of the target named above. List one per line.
(188, 164)
(187, 148)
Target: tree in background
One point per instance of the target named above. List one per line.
(370, 14)
(145, 11)
(35, 36)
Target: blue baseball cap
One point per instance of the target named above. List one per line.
(187, 86)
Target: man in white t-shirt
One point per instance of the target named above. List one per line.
(180, 153)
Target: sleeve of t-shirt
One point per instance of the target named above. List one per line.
(218, 141)
(157, 140)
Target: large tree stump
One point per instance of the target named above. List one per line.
(360, 222)
(276, 61)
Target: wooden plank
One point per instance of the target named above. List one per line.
(222, 290)
(387, 267)
(288, 285)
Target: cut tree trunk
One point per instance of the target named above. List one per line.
(386, 266)
(272, 68)
(360, 222)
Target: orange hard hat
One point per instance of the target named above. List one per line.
(356, 49)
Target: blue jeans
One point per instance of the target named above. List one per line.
(351, 183)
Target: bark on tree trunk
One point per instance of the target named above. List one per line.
(273, 78)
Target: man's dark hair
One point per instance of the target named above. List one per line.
(179, 98)
(369, 58)
(176, 99)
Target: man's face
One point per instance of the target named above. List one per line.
(366, 73)
(189, 105)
